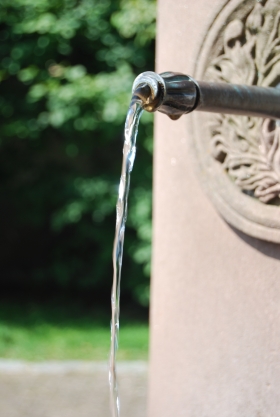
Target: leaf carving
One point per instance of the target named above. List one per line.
(249, 148)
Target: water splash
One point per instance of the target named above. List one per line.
(129, 150)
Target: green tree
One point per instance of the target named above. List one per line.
(66, 71)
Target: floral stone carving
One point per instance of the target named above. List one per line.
(244, 176)
(249, 148)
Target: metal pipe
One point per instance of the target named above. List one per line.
(176, 94)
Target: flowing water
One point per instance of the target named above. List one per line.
(129, 149)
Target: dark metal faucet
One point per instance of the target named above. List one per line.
(176, 94)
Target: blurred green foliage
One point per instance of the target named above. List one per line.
(66, 71)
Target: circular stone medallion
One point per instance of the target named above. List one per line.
(239, 156)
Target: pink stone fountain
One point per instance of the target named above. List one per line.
(215, 305)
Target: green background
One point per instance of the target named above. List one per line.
(66, 71)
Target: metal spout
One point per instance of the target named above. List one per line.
(175, 94)
(171, 93)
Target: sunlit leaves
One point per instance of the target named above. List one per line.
(140, 24)
(66, 71)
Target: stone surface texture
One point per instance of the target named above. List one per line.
(69, 389)
(215, 315)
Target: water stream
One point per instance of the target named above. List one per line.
(129, 149)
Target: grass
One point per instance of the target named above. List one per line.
(39, 333)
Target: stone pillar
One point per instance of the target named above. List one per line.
(215, 308)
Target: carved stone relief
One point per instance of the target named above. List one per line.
(239, 156)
